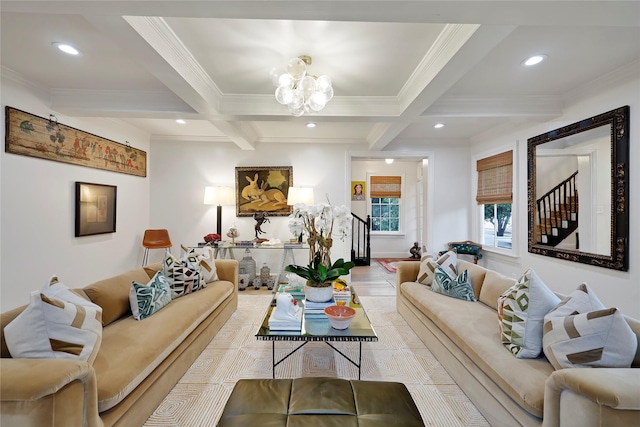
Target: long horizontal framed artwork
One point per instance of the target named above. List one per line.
(34, 136)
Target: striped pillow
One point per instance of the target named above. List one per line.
(57, 324)
(447, 262)
(581, 332)
(598, 339)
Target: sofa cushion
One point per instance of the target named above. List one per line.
(182, 276)
(521, 311)
(494, 285)
(471, 328)
(113, 294)
(204, 259)
(476, 275)
(458, 287)
(600, 338)
(138, 348)
(447, 261)
(57, 323)
(149, 298)
(582, 300)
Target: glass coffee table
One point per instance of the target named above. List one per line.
(316, 327)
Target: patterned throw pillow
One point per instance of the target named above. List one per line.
(459, 288)
(182, 277)
(204, 259)
(581, 332)
(521, 311)
(447, 261)
(600, 338)
(58, 324)
(150, 298)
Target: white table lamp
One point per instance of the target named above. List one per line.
(219, 196)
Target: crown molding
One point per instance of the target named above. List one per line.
(624, 74)
(10, 75)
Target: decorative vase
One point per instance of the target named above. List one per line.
(247, 265)
(318, 294)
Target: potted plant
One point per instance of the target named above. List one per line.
(319, 223)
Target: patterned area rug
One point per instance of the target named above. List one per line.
(399, 355)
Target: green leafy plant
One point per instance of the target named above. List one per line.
(320, 275)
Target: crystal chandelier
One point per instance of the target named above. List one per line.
(302, 92)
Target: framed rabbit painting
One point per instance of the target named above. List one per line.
(263, 189)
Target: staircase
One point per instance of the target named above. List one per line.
(361, 240)
(557, 213)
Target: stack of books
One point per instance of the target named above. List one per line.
(316, 308)
(285, 325)
(296, 291)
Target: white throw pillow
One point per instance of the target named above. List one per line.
(448, 262)
(597, 339)
(204, 259)
(581, 332)
(521, 311)
(58, 324)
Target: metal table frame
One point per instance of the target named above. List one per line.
(360, 331)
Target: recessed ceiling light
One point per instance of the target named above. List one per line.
(311, 125)
(388, 161)
(535, 59)
(66, 48)
(180, 121)
(438, 125)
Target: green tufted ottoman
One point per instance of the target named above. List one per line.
(326, 402)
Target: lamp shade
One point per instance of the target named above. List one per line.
(300, 195)
(219, 196)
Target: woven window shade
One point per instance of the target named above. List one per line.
(495, 179)
(385, 186)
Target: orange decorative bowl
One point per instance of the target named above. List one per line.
(340, 316)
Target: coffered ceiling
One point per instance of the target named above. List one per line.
(398, 67)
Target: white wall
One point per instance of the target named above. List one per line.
(614, 288)
(37, 200)
(182, 170)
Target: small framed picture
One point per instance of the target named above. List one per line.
(357, 190)
(95, 209)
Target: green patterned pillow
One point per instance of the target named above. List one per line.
(597, 339)
(150, 298)
(447, 261)
(459, 288)
(521, 311)
(183, 278)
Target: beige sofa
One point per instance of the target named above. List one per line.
(137, 365)
(464, 336)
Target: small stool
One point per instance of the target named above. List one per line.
(319, 401)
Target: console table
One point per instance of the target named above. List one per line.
(286, 248)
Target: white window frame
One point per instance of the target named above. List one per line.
(478, 210)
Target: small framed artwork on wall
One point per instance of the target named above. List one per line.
(358, 190)
(95, 209)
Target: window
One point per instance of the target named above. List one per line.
(385, 214)
(495, 196)
(386, 192)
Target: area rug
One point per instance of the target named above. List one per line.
(399, 355)
(389, 264)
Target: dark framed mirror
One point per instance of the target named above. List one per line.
(577, 191)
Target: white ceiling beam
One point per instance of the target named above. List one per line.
(460, 61)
